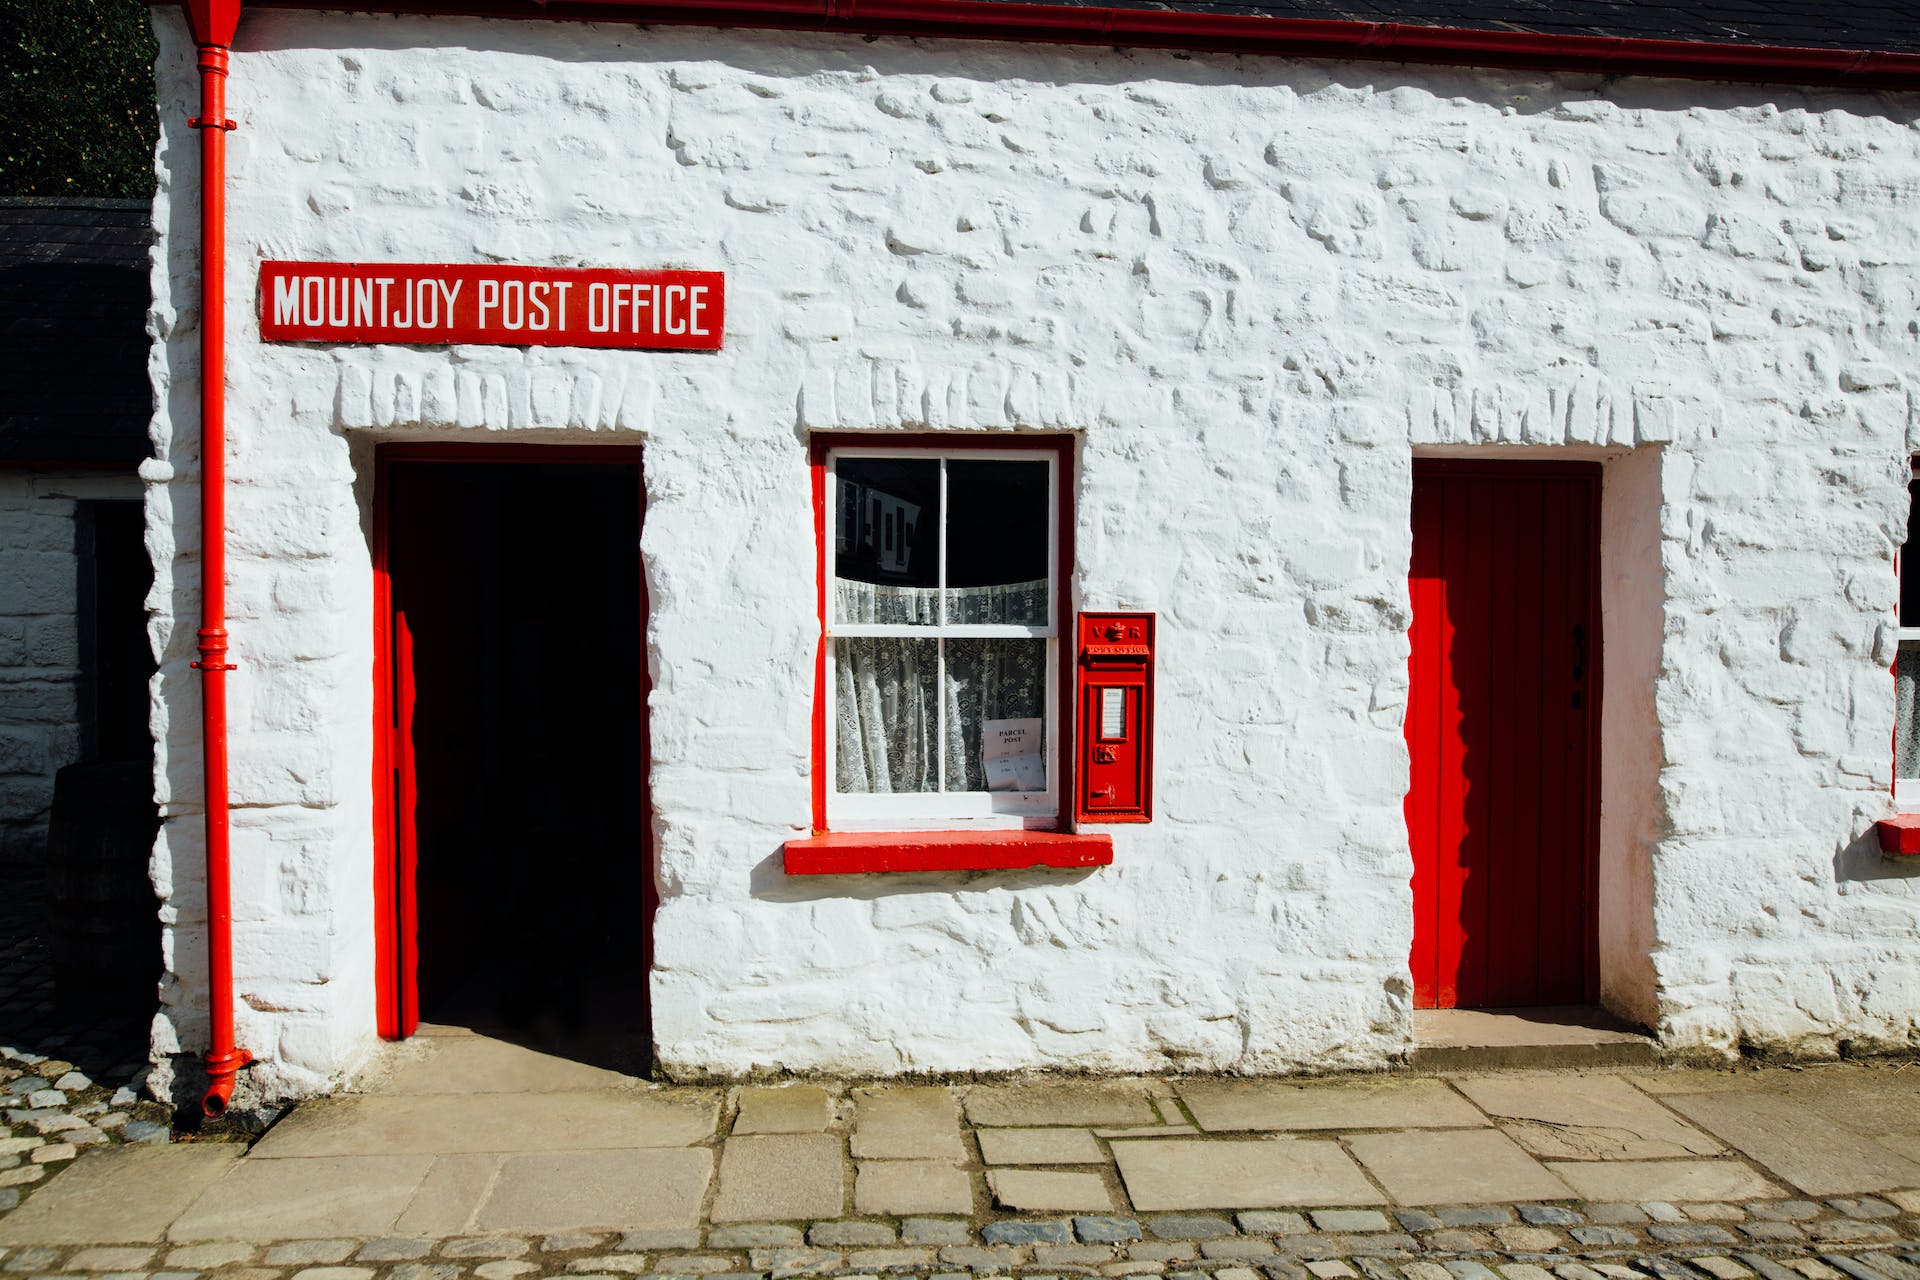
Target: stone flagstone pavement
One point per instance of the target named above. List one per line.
(462, 1154)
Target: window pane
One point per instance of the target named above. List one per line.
(886, 540)
(997, 542)
(1906, 723)
(887, 736)
(996, 710)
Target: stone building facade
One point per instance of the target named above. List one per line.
(1246, 297)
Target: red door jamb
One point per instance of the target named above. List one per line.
(386, 932)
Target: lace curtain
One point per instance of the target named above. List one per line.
(1906, 736)
(1017, 603)
(888, 720)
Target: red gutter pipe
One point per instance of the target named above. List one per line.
(1212, 32)
(213, 23)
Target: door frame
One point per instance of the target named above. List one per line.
(1593, 472)
(396, 919)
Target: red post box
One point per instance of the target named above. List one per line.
(1115, 676)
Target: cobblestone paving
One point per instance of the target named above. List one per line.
(1866, 1238)
(67, 1080)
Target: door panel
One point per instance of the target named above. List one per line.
(1500, 727)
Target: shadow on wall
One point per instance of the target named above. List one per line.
(105, 1040)
(1861, 860)
(80, 957)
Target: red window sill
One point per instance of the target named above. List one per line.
(857, 852)
(1900, 835)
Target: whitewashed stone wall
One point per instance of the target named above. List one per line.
(1253, 288)
(40, 729)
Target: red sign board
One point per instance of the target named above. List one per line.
(494, 305)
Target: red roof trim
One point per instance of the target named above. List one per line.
(1227, 33)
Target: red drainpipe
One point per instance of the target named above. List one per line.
(213, 23)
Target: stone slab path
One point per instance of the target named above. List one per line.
(464, 1155)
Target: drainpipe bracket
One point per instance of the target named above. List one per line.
(201, 122)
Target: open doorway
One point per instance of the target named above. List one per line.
(515, 880)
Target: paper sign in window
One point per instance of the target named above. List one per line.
(1013, 754)
(1113, 715)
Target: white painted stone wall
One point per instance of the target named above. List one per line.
(40, 728)
(1252, 288)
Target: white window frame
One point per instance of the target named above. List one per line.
(986, 810)
(1906, 791)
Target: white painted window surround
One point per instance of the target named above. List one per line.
(949, 808)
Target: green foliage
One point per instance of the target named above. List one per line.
(77, 115)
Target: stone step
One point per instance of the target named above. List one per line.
(1557, 1038)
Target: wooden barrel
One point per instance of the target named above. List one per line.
(103, 921)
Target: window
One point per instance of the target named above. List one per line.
(1906, 670)
(940, 677)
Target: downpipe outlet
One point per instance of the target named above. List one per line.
(222, 1075)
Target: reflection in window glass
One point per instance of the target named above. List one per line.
(887, 540)
(997, 542)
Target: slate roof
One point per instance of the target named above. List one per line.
(73, 331)
(1878, 26)
(1884, 25)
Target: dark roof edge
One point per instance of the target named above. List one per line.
(1210, 32)
(71, 202)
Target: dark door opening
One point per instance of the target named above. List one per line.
(1501, 727)
(517, 731)
(102, 920)
(116, 658)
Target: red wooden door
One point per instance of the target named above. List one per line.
(1501, 725)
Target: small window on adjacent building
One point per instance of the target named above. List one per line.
(942, 633)
(1906, 671)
